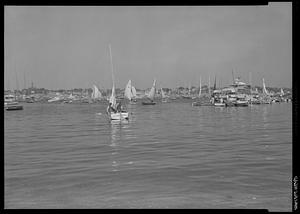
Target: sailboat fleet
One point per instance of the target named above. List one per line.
(235, 95)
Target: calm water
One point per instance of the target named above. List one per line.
(170, 155)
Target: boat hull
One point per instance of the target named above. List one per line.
(219, 104)
(148, 103)
(241, 104)
(230, 104)
(119, 116)
(132, 102)
(14, 108)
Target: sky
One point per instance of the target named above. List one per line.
(65, 47)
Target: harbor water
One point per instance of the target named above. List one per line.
(168, 155)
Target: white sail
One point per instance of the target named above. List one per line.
(133, 90)
(200, 87)
(96, 93)
(264, 88)
(127, 92)
(71, 96)
(152, 91)
(112, 98)
(162, 93)
(208, 84)
(281, 92)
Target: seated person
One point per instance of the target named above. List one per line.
(110, 109)
(119, 107)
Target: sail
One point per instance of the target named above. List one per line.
(152, 91)
(112, 98)
(215, 84)
(208, 84)
(264, 88)
(71, 96)
(281, 92)
(200, 87)
(127, 92)
(162, 93)
(96, 93)
(133, 91)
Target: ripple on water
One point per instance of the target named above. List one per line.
(172, 155)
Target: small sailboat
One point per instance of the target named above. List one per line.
(151, 95)
(96, 95)
(266, 95)
(188, 95)
(199, 95)
(204, 99)
(265, 92)
(130, 93)
(133, 90)
(164, 97)
(115, 115)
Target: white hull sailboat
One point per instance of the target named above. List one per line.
(119, 116)
(219, 104)
(123, 115)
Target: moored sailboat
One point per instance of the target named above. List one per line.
(96, 95)
(151, 95)
(11, 103)
(164, 97)
(266, 99)
(130, 93)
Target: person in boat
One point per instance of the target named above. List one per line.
(110, 109)
(119, 107)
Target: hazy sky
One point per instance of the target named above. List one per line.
(67, 47)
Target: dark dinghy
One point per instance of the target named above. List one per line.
(14, 108)
(148, 103)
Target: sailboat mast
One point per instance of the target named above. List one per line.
(24, 81)
(215, 84)
(209, 84)
(200, 87)
(8, 84)
(112, 68)
(250, 80)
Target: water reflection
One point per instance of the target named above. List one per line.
(264, 115)
(121, 132)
